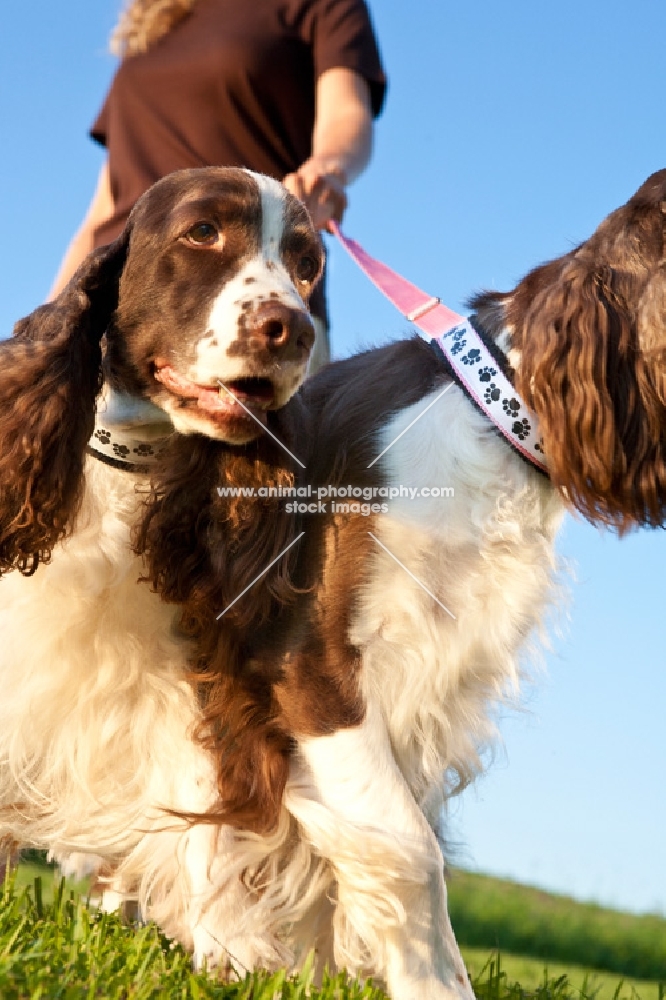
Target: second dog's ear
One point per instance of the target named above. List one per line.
(50, 375)
(579, 356)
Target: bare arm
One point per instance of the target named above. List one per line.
(100, 209)
(341, 145)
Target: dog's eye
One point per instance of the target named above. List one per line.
(306, 268)
(203, 234)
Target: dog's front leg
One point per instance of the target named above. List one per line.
(217, 903)
(391, 919)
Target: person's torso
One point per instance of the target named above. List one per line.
(231, 84)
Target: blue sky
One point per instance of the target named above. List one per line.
(509, 132)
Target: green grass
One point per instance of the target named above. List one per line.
(531, 973)
(494, 914)
(52, 945)
(64, 950)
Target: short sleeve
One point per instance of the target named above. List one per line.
(343, 35)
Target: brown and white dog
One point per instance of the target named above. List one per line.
(346, 667)
(358, 680)
(208, 284)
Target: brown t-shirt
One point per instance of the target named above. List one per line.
(233, 84)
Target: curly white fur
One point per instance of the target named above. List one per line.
(77, 697)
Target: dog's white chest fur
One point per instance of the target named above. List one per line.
(82, 639)
(486, 554)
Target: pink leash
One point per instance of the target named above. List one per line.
(478, 371)
(425, 311)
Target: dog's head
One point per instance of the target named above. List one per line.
(207, 284)
(590, 332)
(212, 323)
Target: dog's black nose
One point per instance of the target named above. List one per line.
(283, 329)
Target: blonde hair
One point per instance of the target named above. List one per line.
(144, 22)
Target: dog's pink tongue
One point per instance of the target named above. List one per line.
(217, 406)
(172, 380)
(207, 398)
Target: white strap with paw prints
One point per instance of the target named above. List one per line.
(478, 372)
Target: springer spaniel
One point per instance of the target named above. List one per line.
(352, 691)
(207, 285)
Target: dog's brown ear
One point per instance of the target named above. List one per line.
(50, 375)
(581, 372)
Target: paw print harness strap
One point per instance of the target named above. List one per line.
(474, 359)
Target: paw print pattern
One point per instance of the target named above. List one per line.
(486, 373)
(144, 450)
(521, 428)
(492, 393)
(471, 357)
(511, 406)
(458, 334)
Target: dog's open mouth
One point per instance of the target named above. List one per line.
(231, 399)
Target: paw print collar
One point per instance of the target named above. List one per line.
(116, 447)
(474, 360)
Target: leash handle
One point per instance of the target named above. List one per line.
(424, 311)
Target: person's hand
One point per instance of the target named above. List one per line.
(321, 188)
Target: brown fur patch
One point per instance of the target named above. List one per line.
(319, 691)
(203, 551)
